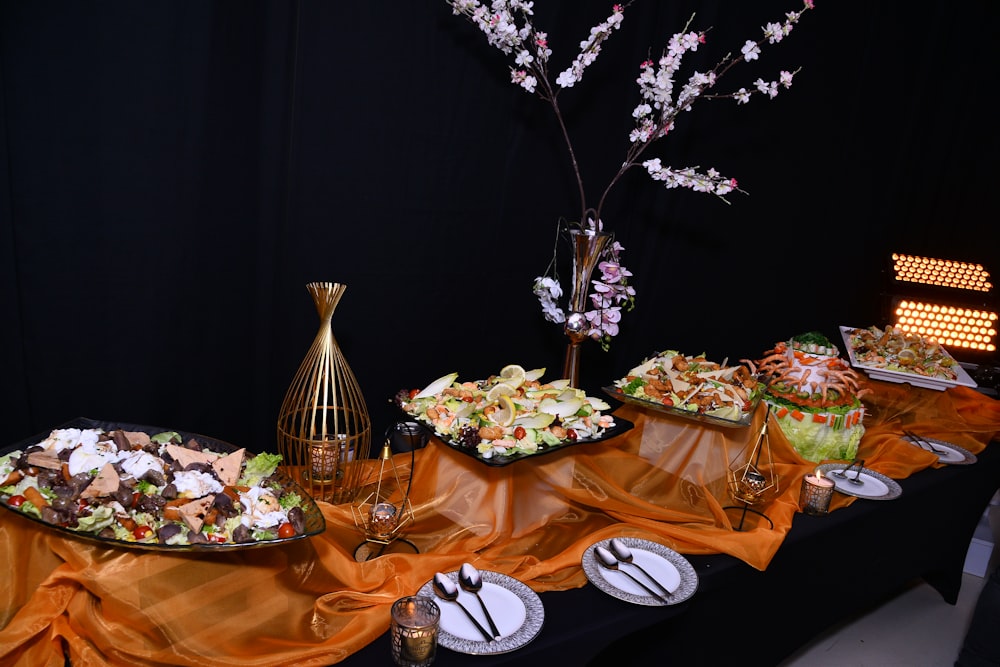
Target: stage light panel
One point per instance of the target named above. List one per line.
(953, 326)
(940, 273)
(935, 302)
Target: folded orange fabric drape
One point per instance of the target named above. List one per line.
(311, 603)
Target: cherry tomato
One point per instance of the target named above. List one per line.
(16, 501)
(414, 392)
(519, 432)
(286, 530)
(571, 435)
(669, 402)
(216, 537)
(142, 532)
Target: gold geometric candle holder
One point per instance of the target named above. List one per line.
(751, 478)
(324, 431)
(384, 509)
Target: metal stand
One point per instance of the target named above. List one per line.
(747, 484)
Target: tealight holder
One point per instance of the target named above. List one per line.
(752, 480)
(385, 510)
(413, 631)
(817, 492)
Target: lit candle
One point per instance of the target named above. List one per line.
(327, 455)
(414, 631)
(817, 491)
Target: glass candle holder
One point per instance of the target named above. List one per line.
(817, 491)
(325, 457)
(414, 631)
(383, 520)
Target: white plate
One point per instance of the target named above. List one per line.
(949, 453)
(876, 373)
(665, 565)
(874, 485)
(516, 609)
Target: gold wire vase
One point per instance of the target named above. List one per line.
(587, 247)
(324, 431)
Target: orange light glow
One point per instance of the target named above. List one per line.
(952, 326)
(940, 272)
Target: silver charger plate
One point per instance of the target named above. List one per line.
(667, 566)
(516, 609)
(874, 485)
(950, 453)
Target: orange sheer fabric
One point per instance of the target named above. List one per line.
(311, 603)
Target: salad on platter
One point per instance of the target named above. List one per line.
(509, 414)
(153, 489)
(693, 385)
(899, 351)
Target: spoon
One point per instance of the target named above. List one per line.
(446, 589)
(470, 580)
(624, 554)
(857, 477)
(608, 560)
(842, 474)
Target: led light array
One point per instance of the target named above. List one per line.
(941, 272)
(951, 326)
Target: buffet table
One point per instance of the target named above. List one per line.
(765, 589)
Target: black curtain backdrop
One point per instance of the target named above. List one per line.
(174, 174)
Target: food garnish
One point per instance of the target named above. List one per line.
(130, 486)
(514, 412)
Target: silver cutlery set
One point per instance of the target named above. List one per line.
(471, 581)
(619, 555)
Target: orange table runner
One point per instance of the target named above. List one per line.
(311, 603)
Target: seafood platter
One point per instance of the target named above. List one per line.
(815, 396)
(893, 355)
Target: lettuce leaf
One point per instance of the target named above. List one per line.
(816, 442)
(260, 466)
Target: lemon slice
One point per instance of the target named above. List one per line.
(504, 416)
(498, 390)
(513, 375)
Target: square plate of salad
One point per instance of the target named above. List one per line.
(893, 355)
(151, 488)
(510, 416)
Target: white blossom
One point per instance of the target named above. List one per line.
(508, 26)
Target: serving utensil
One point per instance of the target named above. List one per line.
(922, 442)
(470, 580)
(607, 560)
(624, 554)
(860, 463)
(446, 589)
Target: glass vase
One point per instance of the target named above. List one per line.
(324, 431)
(588, 244)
